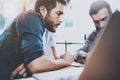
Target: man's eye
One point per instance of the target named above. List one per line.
(96, 21)
(58, 14)
(104, 19)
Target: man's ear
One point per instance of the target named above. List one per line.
(43, 11)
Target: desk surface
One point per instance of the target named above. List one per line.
(68, 73)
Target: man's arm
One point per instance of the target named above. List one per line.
(43, 63)
(52, 43)
(54, 52)
(80, 55)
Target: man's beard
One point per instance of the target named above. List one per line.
(48, 24)
(98, 28)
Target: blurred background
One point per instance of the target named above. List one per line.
(71, 34)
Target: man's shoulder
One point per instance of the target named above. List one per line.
(29, 15)
(30, 18)
(92, 35)
(93, 32)
(32, 12)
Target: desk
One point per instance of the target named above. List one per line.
(67, 73)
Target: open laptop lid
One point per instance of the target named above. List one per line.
(104, 63)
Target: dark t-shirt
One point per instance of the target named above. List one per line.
(88, 45)
(90, 42)
(21, 42)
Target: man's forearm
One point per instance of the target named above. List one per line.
(44, 63)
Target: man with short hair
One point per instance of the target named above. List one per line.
(100, 12)
(22, 45)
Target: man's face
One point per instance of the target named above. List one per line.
(101, 18)
(53, 19)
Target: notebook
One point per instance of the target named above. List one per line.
(104, 63)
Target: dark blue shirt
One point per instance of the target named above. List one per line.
(21, 42)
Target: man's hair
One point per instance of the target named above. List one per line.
(49, 4)
(97, 6)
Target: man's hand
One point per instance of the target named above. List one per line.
(81, 59)
(67, 57)
(57, 57)
(20, 70)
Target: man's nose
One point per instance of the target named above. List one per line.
(61, 19)
(101, 24)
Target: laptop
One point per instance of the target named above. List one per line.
(104, 63)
